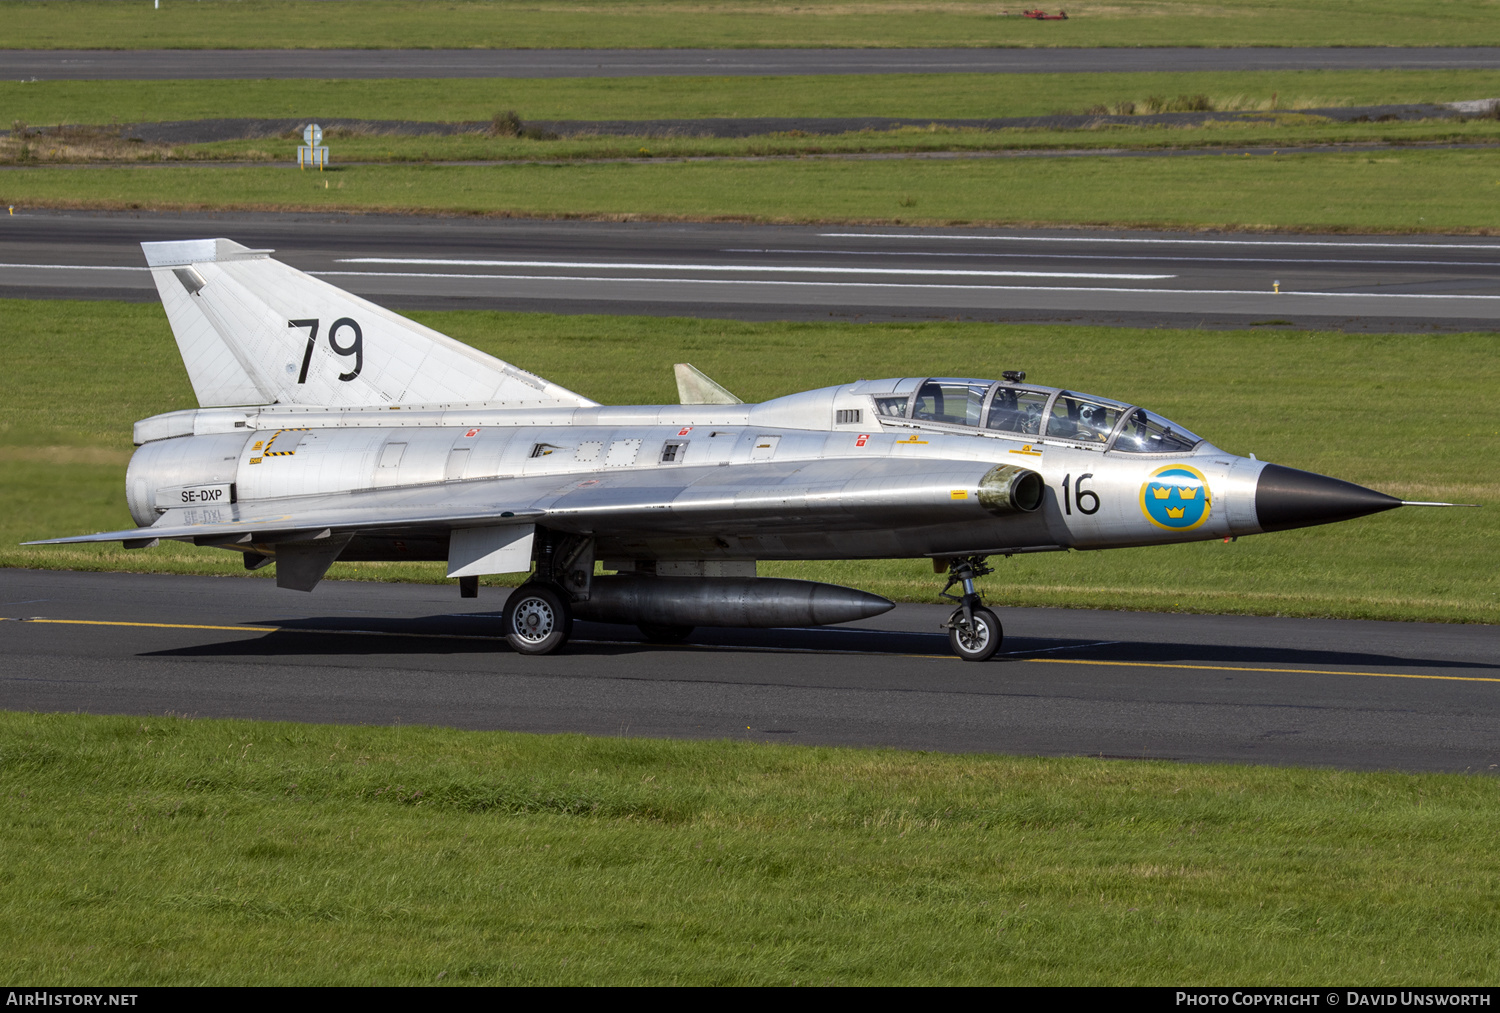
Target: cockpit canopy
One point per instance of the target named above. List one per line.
(1025, 410)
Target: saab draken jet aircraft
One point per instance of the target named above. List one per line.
(331, 428)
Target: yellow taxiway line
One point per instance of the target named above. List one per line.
(1039, 661)
(261, 629)
(1285, 671)
(155, 626)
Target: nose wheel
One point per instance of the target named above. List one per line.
(975, 637)
(537, 619)
(974, 632)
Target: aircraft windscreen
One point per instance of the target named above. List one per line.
(1146, 432)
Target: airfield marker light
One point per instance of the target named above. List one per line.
(1276, 286)
(312, 151)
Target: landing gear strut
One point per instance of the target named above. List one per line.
(974, 632)
(538, 616)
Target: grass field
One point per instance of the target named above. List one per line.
(963, 96)
(96, 106)
(69, 24)
(1280, 132)
(1409, 191)
(1332, 403)
(172, 852)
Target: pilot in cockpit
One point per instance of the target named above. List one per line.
(1087, 421)
(1094, 422)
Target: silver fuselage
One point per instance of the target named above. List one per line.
(821, 488)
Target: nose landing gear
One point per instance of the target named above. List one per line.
(974, 632)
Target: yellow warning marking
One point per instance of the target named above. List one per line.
(1283, 671)
(278, 453)
(960, 494)
(1026, 449)
(910, 440)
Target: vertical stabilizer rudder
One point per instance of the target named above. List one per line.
(252, 330)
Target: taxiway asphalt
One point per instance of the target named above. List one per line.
(1359, 695)
(203, 64)
(1370, 283)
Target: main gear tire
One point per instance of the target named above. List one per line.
(661, 633)
(537, 619)
(978, 642)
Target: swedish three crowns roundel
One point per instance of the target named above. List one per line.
(1175, 498)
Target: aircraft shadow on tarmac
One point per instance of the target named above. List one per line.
(478, 634)
(336, 636)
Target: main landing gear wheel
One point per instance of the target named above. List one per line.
(537, 619)
(976, 641)
(660, 633)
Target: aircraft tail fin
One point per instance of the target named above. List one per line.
(693, 387)
(252, 330)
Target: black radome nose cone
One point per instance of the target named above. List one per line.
(1288, 498)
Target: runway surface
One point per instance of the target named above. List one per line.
(803, 272)
(1364, 695)
(178, 64)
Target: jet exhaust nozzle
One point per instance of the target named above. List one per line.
(1287, 498)
(1008, 489)
(726, 601)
